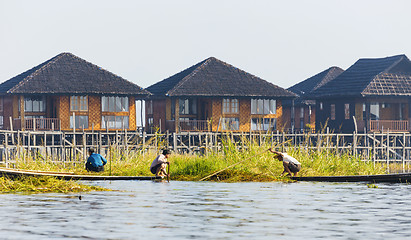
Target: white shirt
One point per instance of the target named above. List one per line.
(287, 158)
(159, 159)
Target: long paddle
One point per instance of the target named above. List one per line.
(233, 165)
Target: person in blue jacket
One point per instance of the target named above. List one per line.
(96, 162)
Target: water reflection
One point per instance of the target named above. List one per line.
(202, 210)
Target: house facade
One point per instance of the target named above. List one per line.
(66, 93)
(215, 96)
(299, 114)
(373, 95)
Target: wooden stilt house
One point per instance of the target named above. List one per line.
(215, 96)
(372, 95)
(299, 114)
(68, 92)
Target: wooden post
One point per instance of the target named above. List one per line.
(6, 150)
(403, 152)
(354, 149)
(99, 142)
(206, 143)
(174, 141)
(373, 148)
(84, 146)
(189, 142)
(388, 151)
(177, 116)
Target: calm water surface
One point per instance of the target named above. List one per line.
(203, 210)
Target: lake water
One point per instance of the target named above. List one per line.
(206, 210)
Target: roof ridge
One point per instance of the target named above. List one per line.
(395, 63)
(30, 76)
(193, 73)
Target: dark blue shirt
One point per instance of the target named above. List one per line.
(96, 160)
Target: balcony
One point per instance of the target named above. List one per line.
(388, 125)
(189, 125)
(42, 124)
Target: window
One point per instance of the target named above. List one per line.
(78, 103)
(364, 116)
(321, 106)
(1, 121)
(230, 105)
(150, 122)
(347, 110)
(114, 104)
(263, 106)
(1, 105)
(116, 122)
(263, 124)
(34, 104)
(80, 121)
(302, 112)
(375, 111)
(187, 106)
(149, 106)
(332, 110)
(230, 123)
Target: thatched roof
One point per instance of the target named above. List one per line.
(390, 76)
(69, 74)
(215, 78)
(305, 88)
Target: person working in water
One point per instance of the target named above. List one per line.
(290, 164)
(159, 165)
(96, 162)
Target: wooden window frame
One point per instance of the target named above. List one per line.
(230, 106)
(79, 103)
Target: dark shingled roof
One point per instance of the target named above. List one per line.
(306, 87)
(69, 74)
(390, 76)
(215, 78)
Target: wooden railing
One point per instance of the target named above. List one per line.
(189, 125)
(42, 124)
(391, 125)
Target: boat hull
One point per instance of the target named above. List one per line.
(389, 178)
(68, 176)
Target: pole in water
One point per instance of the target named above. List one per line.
(168, 172)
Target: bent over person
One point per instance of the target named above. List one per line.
(290, 164)
(159, 165)
(96, 162)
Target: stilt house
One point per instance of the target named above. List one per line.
(373, 95)
(299, 114)
(215, 96)
(68, 92)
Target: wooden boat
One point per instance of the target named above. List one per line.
(70, 176)
(388, 178)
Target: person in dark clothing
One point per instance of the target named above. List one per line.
(96, 162)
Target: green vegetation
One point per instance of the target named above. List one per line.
(43, 185)
(259, 165)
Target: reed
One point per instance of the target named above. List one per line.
(259, 167)
(44, 185)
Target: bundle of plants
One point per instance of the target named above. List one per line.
(43, 185)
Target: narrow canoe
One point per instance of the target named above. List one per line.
(71, 176)
(389, 178)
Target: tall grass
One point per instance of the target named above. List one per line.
(260, 164)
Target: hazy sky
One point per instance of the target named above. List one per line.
(283, 42)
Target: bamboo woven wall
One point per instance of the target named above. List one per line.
(64, 112)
